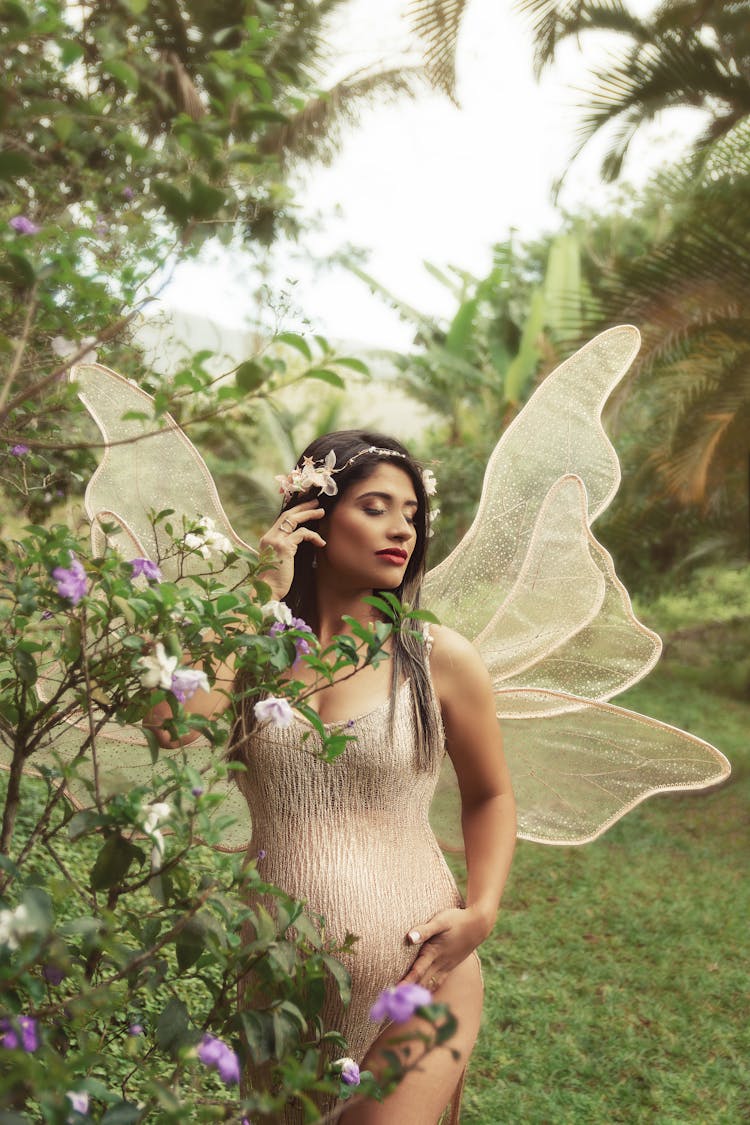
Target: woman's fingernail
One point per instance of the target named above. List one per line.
(414, 936)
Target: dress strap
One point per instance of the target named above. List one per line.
(428, 639)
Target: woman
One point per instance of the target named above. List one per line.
(351, 837)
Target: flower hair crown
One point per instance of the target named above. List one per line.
(319, 475)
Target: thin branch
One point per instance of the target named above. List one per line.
(20, 349)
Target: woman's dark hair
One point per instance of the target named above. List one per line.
(408, 657)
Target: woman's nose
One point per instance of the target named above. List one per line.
(401, 529)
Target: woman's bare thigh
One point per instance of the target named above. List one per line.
(426, 1090)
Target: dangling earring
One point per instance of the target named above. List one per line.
(315, 562)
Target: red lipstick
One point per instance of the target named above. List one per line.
(394, 555)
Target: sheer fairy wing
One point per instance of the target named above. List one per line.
(539, 596)
(148, 465)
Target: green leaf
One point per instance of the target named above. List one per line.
(226, 601)
(113, 862)
(173, 1025)
(326, 376)
(70, 51)
(7, 864)
(18, 270)
(259, 1034)
(205, 200)
(25, 667)
(39, 909)
(299, 343)
(249, 376)
(82, 823)
(340, 975)
(458, 339)
(63, 124)
(122, 1113)
(13, 164)
(190, 943)
(122, 72)
(285, 1033)
(354, 364)
(177, 206)
(125, 609)
(154, 746)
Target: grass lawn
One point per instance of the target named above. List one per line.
(617, 975)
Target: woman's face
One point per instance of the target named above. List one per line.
(370, 534)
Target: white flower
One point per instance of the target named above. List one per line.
(274, 710)
(280, 611)
(309, 476)
(62, 347)
(433, 516)
(154, 815)
(429, 482)
(186, 681)
(15, 925)
(158, 668)
(79, 1100)
(206, 539)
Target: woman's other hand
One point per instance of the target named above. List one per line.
(284, 537)
(447, 940)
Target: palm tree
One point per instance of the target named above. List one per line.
(688, 53)
(683, 414)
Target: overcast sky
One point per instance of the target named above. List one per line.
(424, 181)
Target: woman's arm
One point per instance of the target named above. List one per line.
(488, 815)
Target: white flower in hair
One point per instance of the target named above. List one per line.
(429, 482)
(309, 475)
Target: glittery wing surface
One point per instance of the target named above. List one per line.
(539, 596)
(148, 465)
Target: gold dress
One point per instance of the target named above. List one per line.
(352, 839)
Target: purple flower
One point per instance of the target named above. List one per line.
(135, 1029)
(348, 1071)
(71, 581)
(197, 790)
(19, 450)
(21, 1033)
(127, 193)
(400, 1002)
(79, 1100)
(212, 1052)
(147, 568)
(262, 853)
(21, 225)
(273, 710)
(186, 681)
(53, 974)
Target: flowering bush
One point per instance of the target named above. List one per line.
(121, 931)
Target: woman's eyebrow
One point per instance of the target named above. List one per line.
(387, 496)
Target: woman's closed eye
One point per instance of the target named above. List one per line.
(383, 511)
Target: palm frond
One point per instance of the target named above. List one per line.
(437, 23)
(553, 21)
(314, 132)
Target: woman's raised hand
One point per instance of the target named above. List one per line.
(284, 537)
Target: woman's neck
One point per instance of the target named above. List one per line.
(334, 605)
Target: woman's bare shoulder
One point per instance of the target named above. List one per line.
(456, 664)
